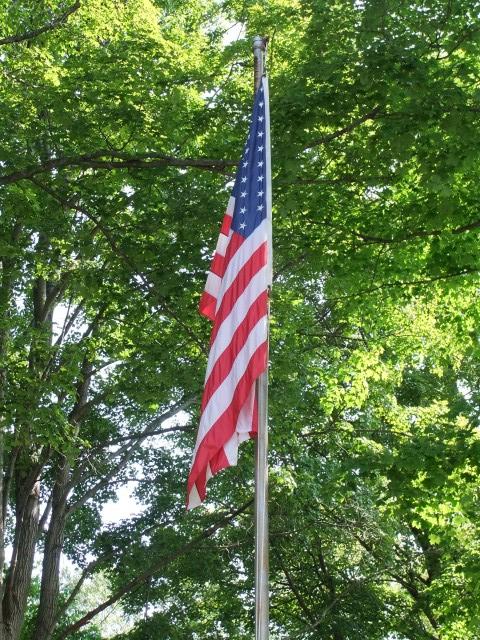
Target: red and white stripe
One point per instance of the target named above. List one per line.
(236, 300)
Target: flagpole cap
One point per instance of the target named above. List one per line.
(259, 43)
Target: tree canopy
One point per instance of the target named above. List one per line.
(122, 122)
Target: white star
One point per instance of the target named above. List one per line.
(260, 148)
(260, 164)
(260, 178)
(260, 134)
(260, 104)
(260, 194)
(244, 179)
(261, 89)
(243, 225)
(247, 150)
(243, 194)
(260, 118)
(245, 164)
(260, 207)
(242, 210)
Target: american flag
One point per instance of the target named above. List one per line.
(236, 301)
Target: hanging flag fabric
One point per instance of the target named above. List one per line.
(235, 299)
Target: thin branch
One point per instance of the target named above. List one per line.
(93, 325)
(145, 287)
(347, 178)
(112, 159)
(45, 515)
(467, 227)
(153, 569)
(143, 435)
(126, 452)
(73, 594)
(371, 115)
(406, 283)
(412, 235)
(293, 588)
(8, 479)
(55, 292)
(465, 36)
(53, 24)
(69, 321)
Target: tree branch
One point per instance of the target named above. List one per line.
(413, 235)
(407, 283)
(371, 115)
(74, 592)
(45, 515)
(153, 569)
(144, 286)
(143, 435)
(293, 588)
(347, 178)
(53, 24)
(126, 452)
(68, 321)
(114, 159)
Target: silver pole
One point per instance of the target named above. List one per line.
(261, 463)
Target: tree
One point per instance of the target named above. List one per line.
(122, 122)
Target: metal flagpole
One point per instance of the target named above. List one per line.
(261, 463)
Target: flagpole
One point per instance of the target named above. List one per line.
(261, 462)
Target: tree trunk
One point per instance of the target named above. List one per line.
(27, 472)
(20, 572)
(47, 610)
(48, 606)
(7, 279)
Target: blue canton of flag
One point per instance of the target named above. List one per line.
(250, 185)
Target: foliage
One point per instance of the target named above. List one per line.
(121, 125)
(79, 607)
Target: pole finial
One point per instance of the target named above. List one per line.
(259, 47)
(259, 43)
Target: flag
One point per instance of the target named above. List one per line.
(235, 299)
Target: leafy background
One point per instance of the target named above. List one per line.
(122, 122)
